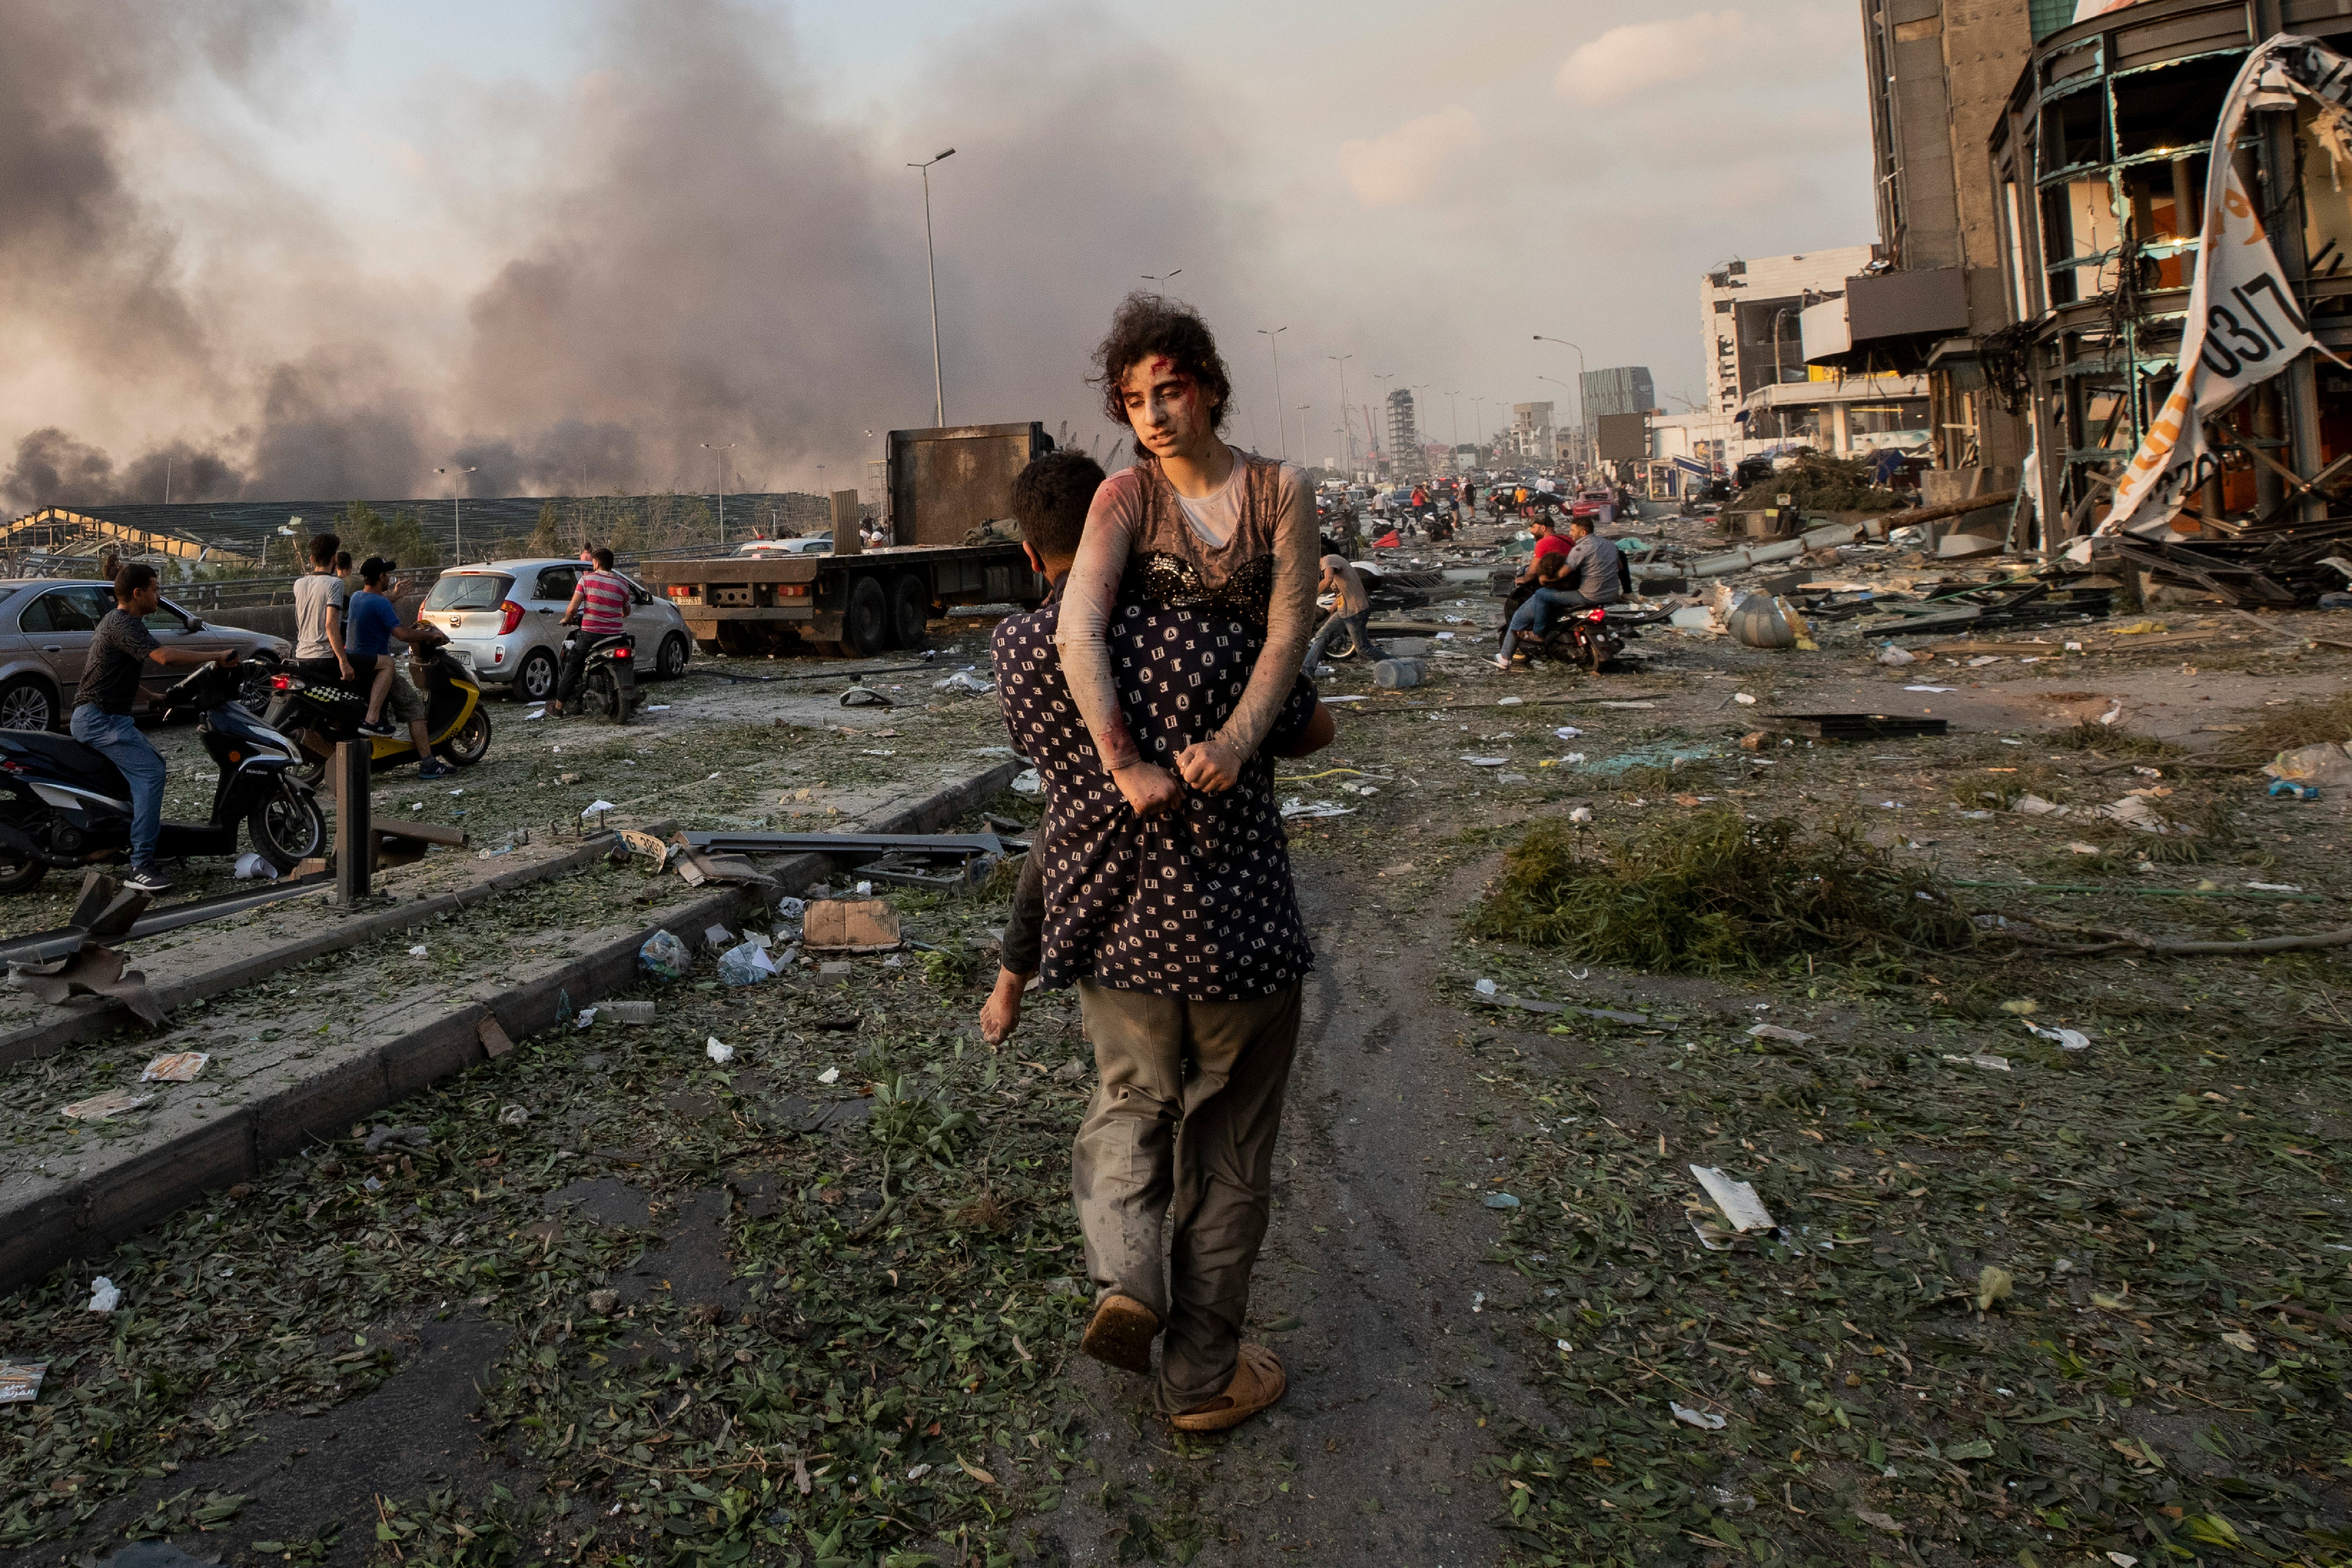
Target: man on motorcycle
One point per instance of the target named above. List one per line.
(119, 651)
(375, 627)
(1590, 575)
(602, 603)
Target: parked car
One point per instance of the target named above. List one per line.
(46, 625)
(507, 615)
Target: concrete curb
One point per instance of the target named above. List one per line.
(61, 1026)
(98, 1207)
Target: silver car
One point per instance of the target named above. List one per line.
(45, 626)
(508, 615)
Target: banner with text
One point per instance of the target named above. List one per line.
(2243, 325)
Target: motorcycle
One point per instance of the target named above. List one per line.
(1591, 639)
(65, 803)
(608, 686)
(318, 713)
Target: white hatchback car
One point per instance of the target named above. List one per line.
(508, 615)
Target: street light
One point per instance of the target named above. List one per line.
(1478, 412)
(722, 452)
(1584, 435)
(1303, 447)
(1341, 361)
(931, 264)
(1161, 276)
(456, 520)
(1271, 337)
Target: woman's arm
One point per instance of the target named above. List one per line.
(1216, 763)
(1080, 635)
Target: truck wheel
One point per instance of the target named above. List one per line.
(910, 610)
(865, 622)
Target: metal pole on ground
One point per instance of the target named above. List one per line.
(355, 831)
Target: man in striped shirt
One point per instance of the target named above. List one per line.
(602, 603)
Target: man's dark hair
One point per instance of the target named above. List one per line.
(343, 560)
(323, 549)
(1050, 498)
(131, 579)
(1149, 324)
(1590, 525)
(374, 569)
(602, 557)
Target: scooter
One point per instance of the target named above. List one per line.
(319, 714)
(608, 686)
(1591, 639)
(65, 803)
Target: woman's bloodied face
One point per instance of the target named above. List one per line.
(1171, 413)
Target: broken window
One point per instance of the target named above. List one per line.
(2074, 129)
(2166, 107)
(2078, 221)
(2165, 200)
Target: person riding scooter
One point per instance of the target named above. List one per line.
(119, 651)
(1591, 573)
(602, 603)
(373, 617)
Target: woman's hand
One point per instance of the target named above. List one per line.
(1210, 766)
(1152, 792)
(1002, 1014)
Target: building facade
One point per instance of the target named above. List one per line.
(1406, 459)
(2097, 171)
(1939, 73)
(1749, 318)
(1532, 435)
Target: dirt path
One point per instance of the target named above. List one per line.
(1366, 1288)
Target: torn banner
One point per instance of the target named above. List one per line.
(2243, 325)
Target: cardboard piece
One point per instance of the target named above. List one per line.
(850, 925)
(493, 1035)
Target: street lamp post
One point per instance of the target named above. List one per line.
(1584, 434)
(1272, 341)
(1162, 277)
(931, 266)
(1478, 413)
(457, 518)
(1303, 448)
(1341, 361)
(1371, 429)
(722, 452)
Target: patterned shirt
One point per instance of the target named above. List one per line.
(1199, 905)
(603, 603)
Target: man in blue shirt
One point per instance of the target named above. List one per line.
(374, 626)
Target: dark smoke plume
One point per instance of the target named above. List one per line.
(710, 260)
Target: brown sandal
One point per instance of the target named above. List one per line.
(1120, 1334)
(1258, 1384)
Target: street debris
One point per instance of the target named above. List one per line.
(103, 1295)
(850, 925)
(1296, 808)
(2068, 1039)
(384, 1138)
(1775, 1032)
(250, 866)
(1979, 1059)
(20, 1381)
(176, 1067)
(664, 956)
(98, 1107)
(1500, 1201)
(1736, 1200)
(717, 1051)
(1703, 1420)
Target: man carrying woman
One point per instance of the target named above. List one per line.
(1168, 894)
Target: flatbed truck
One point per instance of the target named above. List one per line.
(949, 511)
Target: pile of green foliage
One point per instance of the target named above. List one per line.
(1714, 892)
(1820, 482)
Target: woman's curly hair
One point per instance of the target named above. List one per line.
(1148, 324)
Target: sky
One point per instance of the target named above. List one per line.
(312, 248)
